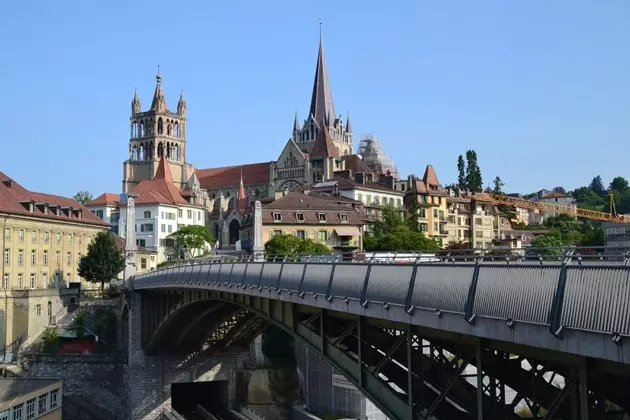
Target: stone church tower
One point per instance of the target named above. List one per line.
(154, 133)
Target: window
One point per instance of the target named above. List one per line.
(276, 232)
(69, 258)
(277, 217)
(152, 258)
(170, 228)
(343, 217)
(69, 236)
(299, 217)
(58, 238)
(7, 256)
(33, 257)
(141, 242)
(7, 234)
(300, 234)
(57, 257)
(20, 281)
(143, 263)
(21, 234)
(479, 234)
(435, 226)
(46, 236)
(478, 221)
(321, 217)
(17, 412)
(435, 212)
(45, 257)
(32, 285)
(322, 235)
(4, 415)
(163, 228)
(20, 257)
(53, 399)
(189, 214)
(180, 213)
(43, 403)
(99, 214)
(146, 227)
(147, 214)
(44, 280)
(34, 236)
(30, 409)
(5, 282)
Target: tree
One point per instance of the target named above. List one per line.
(104, 260)
(548, 244)
(474, 182)
(598, 186)
(498, 186)
(619, 184)
(83, 197)
(391, 233)
(587, 198)
(292, 247)
(192, 239)
(413, 221)
(461, 174)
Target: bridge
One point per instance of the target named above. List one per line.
(465, 337)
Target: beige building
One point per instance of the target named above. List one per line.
(332, 220)
(30, 399)
(432, 203)
(458, 220)
(43, 239)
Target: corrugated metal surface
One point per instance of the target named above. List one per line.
(597, 299)
(226, 271)
(389, 283)
(517, 293)
(440, 287)
(237, 273)
(213, 272)
(291, 276)
(348, 280)
(197, 274)
(316, 278)
(269, 275)
(252, 274)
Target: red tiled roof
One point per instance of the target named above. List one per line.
(429, 184)
(105, 199)
(311, 205)
(355, 164)
(349, 184)
(13, 194)
(230, 176)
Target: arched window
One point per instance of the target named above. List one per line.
(141, 132)
(168, 130)
(160, 126)
(176, 152)
(150, 150)
(168, 150)
(160, 150)
(134, 130)
(135, 153)
(176, 130)
(147, 214)
(141, 152)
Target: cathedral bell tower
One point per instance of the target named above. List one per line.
(156, 132)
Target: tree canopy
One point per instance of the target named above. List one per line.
(596, 197)
(391, 233)
(192, 240)
(83, 197)
(292, 247)
(498, 185)
(469, 174)
(104, 260)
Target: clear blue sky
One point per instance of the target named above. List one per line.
(540, 89)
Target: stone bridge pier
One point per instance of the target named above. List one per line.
(149, 376)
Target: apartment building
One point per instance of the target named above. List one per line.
(617, 234)
(432, 204)
(458, 220)
(30, 399)
(555, 198)
(333, 220)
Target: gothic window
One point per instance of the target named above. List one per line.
(176, 153)
(141, 132)
(168, 150)
(134, 132)
(141, 152)
(168, 130)
(176, 130)
(160, 128)
(134, 155)
(160, 150)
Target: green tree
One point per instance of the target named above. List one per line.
(389, 221)
(461, 174)
(548, 244)
(498, 186)
(391, 233)
(587, 198)
(192, 239)
(619, 184)
(474, 182)
(83, 197)
(104, 260)
(597, 185)
(412, 220)
(292, 247)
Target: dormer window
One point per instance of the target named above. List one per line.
(321, 217)
(343, 217)
(299, 217)
(277, 216)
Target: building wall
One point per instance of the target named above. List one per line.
(433, 217)
(313, 232)
(617, 234)
(56, 246)
(484, 225)
(9, 407)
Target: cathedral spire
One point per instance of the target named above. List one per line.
(321, 101)
(241, 204)
(181, 104)
(159, 101)
(135, 103)
(348, 125)
(296, 123)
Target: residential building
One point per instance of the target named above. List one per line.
(518, 238)
(161, 209)
(333, 220)
(485, 221)
(555, 198)
(617, 234)
(432, 204)
(458, 220)
(30, 399)
(105, 207)
(146, 259)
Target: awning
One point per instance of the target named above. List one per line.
(348, 231)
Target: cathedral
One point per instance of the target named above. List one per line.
(317, 148)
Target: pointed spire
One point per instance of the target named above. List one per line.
(163, 170)
(135, 103)
(242, 198)
(181, 104)
(348, 125)
(159, 101)
(296, 123)
(324, 146)
(321, 102)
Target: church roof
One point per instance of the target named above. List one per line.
(230, 176)
(322, 107)
(160, 189)
(324, 146)
(15, 199)
(159, 100)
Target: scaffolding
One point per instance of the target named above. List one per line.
(371, 151)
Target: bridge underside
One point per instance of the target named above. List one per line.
(407, 371)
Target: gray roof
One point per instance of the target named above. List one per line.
(322, 107)
(13, 388)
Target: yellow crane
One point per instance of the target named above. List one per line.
(612, 216)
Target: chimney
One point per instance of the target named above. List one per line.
(347, 174)
(360, 177)
(387, 181)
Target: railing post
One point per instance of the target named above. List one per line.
(555, 314)
(472, 291)
(363, 301)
